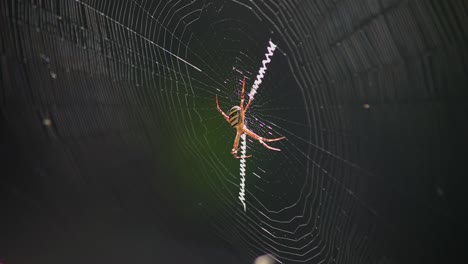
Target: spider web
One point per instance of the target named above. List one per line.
(179, 55)
(300, 210)
(308, 203)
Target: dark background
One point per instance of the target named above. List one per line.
(96, 168)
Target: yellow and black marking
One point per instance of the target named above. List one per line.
(234, 116)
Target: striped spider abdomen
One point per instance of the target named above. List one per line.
(234, 116)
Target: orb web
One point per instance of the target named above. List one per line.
(306, 204)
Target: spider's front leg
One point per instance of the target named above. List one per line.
(242, 95)
(226, 117)
(235, 148)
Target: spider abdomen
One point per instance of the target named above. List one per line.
(234, 116)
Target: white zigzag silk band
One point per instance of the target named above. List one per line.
(262, 70)
(243, 147)
(242, 171)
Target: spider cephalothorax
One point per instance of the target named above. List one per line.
(236, 119)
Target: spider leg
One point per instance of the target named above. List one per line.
(226, 117)
(262, 140)
(273, 139)
(268, 147)
(235, 148)
(248, 104)
(242, 95)
(244, 109)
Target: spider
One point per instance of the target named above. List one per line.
(236, 119)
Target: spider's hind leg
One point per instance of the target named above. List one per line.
(234, 153)
(263, 140)
(273, 139)
(266, 146)
(235, 148)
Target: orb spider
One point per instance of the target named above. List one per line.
(236, 119)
